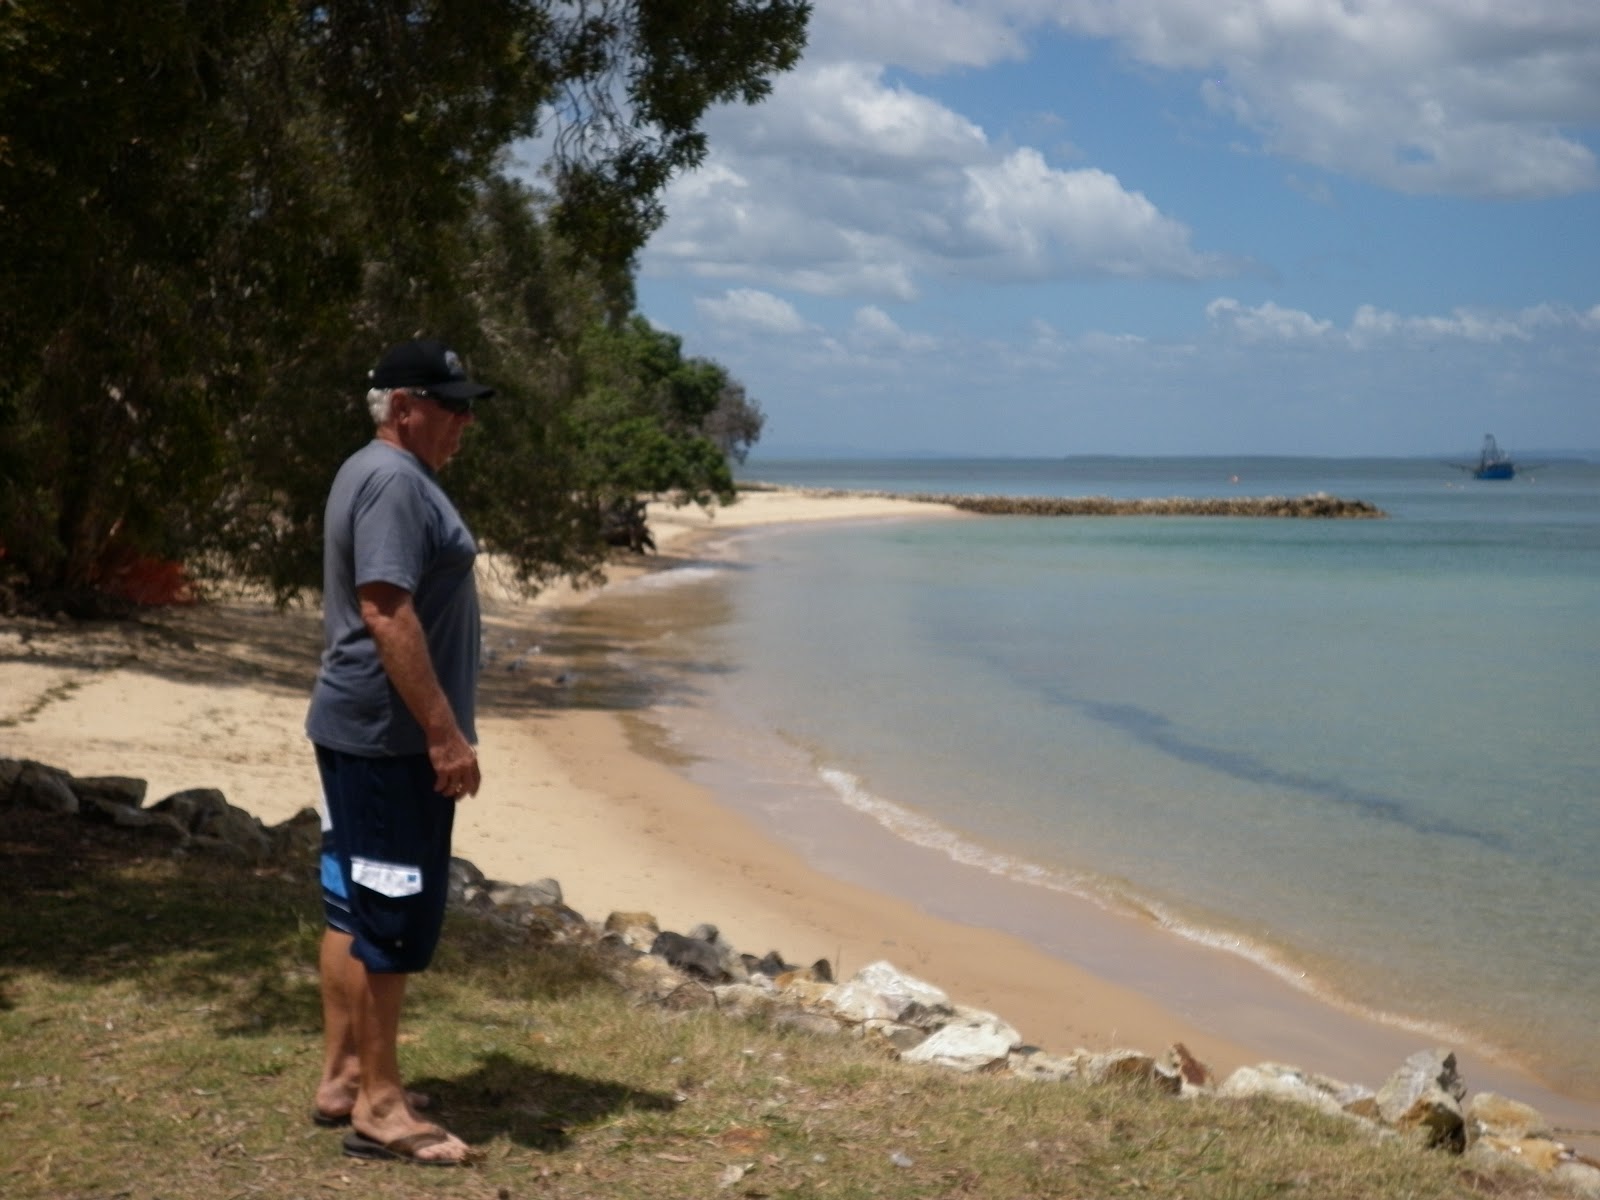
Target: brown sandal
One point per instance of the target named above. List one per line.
(402, 1149)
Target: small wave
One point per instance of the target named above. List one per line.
(671, 578)
(924, 831)
(1111, 897)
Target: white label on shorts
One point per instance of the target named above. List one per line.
(387, 879)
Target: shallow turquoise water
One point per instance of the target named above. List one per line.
(1373, 740)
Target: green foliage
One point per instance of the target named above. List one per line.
(213, 217)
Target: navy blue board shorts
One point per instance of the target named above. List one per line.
(386, 857)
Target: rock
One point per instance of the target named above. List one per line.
(10, 768)
(966, 1045)
(550, 889)
(743, 999)
(976, 1016)
(901, 1038)
(799, 989)
(1193, 1072)
(148, 827)
(109, 789)
(636, 930)
(1579, 1178)
(771, 965)
(297, 839)
(1039, 1067)
(1492, 1115)
(652, 977)
(1281, 1082)
(205, 812)
(466, 884)
(523, 895)
(551, 924)
(696, 958)
(1128, 1066)
(1424, 1097)
(34, 785)
(880, 991)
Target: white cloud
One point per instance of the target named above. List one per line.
(1475, 97)
(872, 328)
(748, 309)
(926, 35)
(1265, 323)
(1038, 222)
(846, 184)
(1371, 326)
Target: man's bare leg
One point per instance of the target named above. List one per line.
(382, 1112)
(341, 1066)
(341, 1062)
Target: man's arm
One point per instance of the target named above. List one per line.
(402, 648)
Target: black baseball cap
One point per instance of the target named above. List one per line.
(427, 364)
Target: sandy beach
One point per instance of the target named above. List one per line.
(215, 695)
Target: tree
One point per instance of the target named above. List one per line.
(210, 215)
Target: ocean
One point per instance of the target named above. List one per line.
(1359, 754)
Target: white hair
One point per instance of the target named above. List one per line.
(378, 403)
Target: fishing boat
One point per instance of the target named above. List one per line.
(1493, 462)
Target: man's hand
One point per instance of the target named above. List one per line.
(455, 768)
(403, 649)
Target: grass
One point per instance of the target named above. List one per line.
(159, 1040)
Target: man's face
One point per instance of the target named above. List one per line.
(430, 428)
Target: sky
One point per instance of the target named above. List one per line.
(1154, 227)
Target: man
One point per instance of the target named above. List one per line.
(392, 721)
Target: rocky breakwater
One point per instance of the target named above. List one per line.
(1317, 505)
(1425, 1098)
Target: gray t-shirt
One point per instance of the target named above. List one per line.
(388, 521)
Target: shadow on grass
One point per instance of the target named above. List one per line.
(532, 1105)
(91, 904)
(86, 906)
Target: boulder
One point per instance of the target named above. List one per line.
(695, 958)
(881, 991)
(1038, 1067)
(744, 999)
(1279, 1081)
(206, 813)
(1193, 1072)
(466, 884)
(1424, 1098)
(121, 790)
(966, 1045)
(1492, 1115)
(551, 924)
(800, 989)
(1128, 1066)
(1578, 1178)
(636, 930)
(297, 839)
(900, 1038)
(523, 895)
(34, 785)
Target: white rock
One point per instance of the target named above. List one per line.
(881, 991)
(965, 1047)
